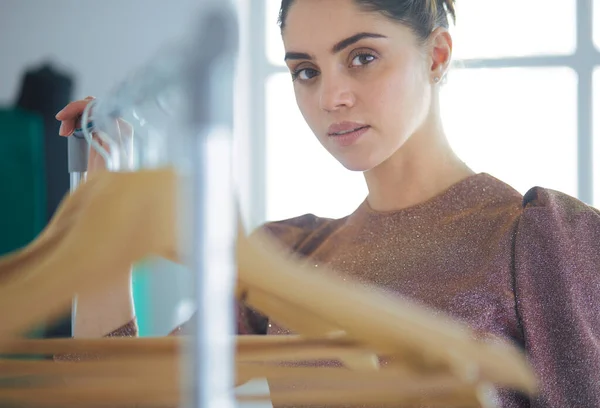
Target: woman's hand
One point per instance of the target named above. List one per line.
(70, 118)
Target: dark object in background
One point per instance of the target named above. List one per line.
(22, 179)
(45, 90)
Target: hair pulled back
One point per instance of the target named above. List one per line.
(421, 16)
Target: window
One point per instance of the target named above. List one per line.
(507, 123)
(596, 14)
(274, 45)
(536, 28)
(302, 177)
(510, 107)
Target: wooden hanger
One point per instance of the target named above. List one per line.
(156, 364)
(48, 238)
(86, 244)
(335, 387)
(248, 348)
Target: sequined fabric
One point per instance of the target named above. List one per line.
(526, 269)
(248, 322)
(128, 330)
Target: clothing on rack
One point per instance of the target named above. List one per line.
(44, 91)
(22, 180)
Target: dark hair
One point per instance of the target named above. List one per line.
(422, 16)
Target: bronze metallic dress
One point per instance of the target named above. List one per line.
(525, 268)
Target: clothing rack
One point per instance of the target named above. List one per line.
(200, 138)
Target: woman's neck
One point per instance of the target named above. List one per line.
(422, 168)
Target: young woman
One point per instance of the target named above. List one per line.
(366, 74)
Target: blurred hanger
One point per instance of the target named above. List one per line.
(85, 245)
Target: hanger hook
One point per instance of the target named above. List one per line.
(88, 134)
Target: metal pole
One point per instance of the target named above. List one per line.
(211, 78)
(77, 156)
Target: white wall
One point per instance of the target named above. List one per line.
(98, 40)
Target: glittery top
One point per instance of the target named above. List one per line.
(523, 268)
(526, 268)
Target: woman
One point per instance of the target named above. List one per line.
(366, 74)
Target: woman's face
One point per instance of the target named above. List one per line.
(362, 82)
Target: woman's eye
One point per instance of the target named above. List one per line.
(305, 74)
(362, 59)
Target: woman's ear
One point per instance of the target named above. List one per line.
(441, 53)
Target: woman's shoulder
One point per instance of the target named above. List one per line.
(556, 280)
(292, 232)
(544, 205)
(539, 205)
(555, 225)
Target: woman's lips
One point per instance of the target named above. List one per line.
(346, 133)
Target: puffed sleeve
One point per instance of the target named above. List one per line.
(557, 291)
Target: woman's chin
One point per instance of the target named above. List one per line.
(361, 164)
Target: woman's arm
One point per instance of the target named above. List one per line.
(106, 312)
(557, 281)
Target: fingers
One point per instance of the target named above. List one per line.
(70, 114)
(73, 109)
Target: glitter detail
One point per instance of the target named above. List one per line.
(130, 329)
(524, 269)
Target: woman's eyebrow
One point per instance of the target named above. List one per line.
(353, 39)
(339, 46)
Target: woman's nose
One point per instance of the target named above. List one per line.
(335, 95)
